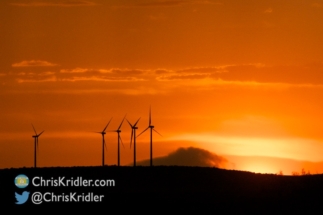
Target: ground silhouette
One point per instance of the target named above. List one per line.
(164, 186)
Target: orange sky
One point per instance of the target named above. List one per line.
(241, 79)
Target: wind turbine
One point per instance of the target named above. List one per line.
(103, 142)
(151, 136)
(119, 139)
(36, 143)
(133, 134)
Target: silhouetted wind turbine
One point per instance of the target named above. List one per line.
(151, 137)
(133, 134)
(103, 142)
(36, 143)
(119, 139)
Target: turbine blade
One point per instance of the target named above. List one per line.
(122, 122)
(107, 125)
(121, 141)
(150, 115)
(34, 129)
(129, 123)
(40, 134)
(142, 131)
(157, 132)
(137, 121)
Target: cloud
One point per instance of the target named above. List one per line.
(99, 78)
(25, 77)
(115, 74)
(188, 73)
(158, 17)
(317, 5)
(301, 75)
(48, 73)
(183, 77)
(269, 10)
(163, 3)
(76, 70)
(67, 3)
(171, 3)
(127, 71)
(115, 71)
(200, 70)
(205, 78)
(37, 79)
(289, 74)
(33, 63)
(189, 157)
(162, 71)
(79, 74)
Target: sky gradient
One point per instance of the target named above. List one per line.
(240, 79)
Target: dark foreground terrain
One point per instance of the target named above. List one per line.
(163, 187)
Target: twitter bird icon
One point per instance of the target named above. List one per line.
(21, 199)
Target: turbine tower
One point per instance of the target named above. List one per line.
(36, 145)
(103, 142)
(133, 135)
(151, 136)
(119, 139)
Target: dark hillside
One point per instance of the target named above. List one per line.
(160, 185)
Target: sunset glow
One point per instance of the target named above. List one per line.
(240, 79)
